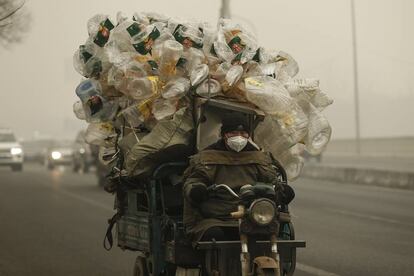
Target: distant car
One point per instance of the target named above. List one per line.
(61, 153)
(11, 152)
(34, 149)
(83, 159)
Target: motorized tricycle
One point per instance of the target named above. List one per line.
(150, 216)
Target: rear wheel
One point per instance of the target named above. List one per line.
(287, 232)
(140, 267)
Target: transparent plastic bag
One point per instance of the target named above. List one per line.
(100, 134)
(233, 76)
(192, 58)
(189, 35)
(286, 64)
(270, 136)
(294, 123)
(268, 94)
(321, 101)
(319, 132)
(176, 88)
(292, 161)
(90, 60)
(234, 44)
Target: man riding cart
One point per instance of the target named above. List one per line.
(225, 212)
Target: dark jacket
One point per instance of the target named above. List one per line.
(217, 165)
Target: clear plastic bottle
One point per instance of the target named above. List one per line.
(163, 108)
(96, 107)
(176, 88)
(199, 74)
(79, 111)
(319, 132)
(143, 88)
(268, 94)
(209, 88)
(133, 115)
(170, 54)
(292, 161)
(100, 134)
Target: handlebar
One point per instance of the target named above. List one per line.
(216, 187)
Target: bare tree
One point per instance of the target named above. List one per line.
(14, 22)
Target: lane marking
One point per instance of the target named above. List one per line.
(370, 217)
(314, 270)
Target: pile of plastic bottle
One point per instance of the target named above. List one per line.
(143, 68)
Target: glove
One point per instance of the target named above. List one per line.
(197, 193)
(285, 193)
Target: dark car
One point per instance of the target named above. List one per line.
(60, 153)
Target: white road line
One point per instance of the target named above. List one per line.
(314, 271)
(370, 217)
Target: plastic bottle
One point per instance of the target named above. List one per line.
(286, 63)
(90, 60)
(171, 53)
(269, 134)
(319, 132)
(212, 84)
(292, 161)
(79, 111)
(99, 28)
(143, 88)
(268, 94)
(163, 108)
(176, 88)
(100, 134)
(144, 40)
(96, 107)
(133, 115)
(199, 74)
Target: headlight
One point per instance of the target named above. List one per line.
(262, 211)
(82, 151)
(56, 155)
(16, 151)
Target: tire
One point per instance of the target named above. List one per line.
(288, 269)
(17, 168)
(140, 267)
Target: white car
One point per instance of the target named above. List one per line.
(11, 152)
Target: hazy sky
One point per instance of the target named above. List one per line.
(38, 80)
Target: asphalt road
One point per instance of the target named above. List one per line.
(52, 223)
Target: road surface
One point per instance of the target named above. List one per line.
(53, 223)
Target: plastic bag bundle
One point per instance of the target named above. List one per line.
(141, 69)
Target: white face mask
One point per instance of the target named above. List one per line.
(237, 143)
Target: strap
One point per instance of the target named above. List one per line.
(108, 239)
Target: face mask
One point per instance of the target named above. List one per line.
(237, 143)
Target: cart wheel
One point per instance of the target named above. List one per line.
(288, 233)
(140, 267)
